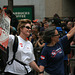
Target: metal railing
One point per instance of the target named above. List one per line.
(72, 60)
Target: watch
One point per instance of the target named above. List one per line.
(41, 72)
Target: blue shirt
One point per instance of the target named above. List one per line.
(52, 58)
(59, 29)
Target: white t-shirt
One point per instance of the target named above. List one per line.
(24, 54)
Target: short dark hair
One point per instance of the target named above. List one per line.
(8, 11)
(48, 33)
(0, 8)
(40, 33)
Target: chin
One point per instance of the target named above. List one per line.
(28, 35)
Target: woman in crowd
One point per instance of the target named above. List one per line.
(52, 56)
(33, 38)
(40, 42)
(24, 52)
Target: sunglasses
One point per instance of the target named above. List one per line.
(27, 27)
(56, 35)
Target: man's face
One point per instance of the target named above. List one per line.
(69, 25)
(46, 26)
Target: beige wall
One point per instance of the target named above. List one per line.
(52, 7)
(47, 8)
(64, 8)
(68, 8)
(39, 7)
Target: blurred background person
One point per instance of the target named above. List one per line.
(14, 21)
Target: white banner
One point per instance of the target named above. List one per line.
(4, 29)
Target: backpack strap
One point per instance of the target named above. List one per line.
(22, 64)
(15, 46)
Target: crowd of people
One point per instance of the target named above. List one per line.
(44, 46)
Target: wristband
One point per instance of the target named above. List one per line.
(41, 72)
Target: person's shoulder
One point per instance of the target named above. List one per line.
(63, 39)
(65, 36)
(29, 42)
(45, 48)
(12, 36)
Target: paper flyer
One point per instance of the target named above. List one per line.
(4, 29)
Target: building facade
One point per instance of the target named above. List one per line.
(46, 8)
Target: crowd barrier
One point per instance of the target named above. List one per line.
(72, 61)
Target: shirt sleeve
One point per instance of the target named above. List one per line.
(65, 43)
(31, 55)
(28, 55)
(42, 60)
(11, 38)
(64, 40)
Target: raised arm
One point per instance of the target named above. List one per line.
(71, 33)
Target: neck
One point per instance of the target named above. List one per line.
(23, 37)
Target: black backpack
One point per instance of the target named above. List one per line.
(4, 54)
(4, 57)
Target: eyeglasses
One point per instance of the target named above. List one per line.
(27, 27)
(56, 35)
